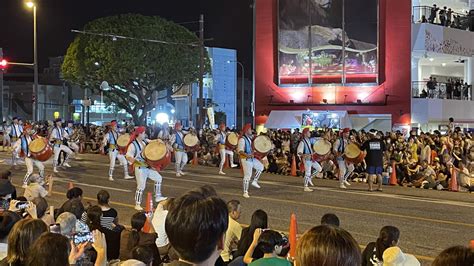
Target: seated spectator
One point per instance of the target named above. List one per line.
(327, 245)
(94, 217)
(234, 230)
(34, 188)
(20, 240)
(109, 217)
(394, 256)
(137, 237)
(330, 219)
(271, 244)
(7, 190)
(455, 256)
(74, 193)
(7, 220)
(373, 252)
(56, 250)
(196, 227)
(259, 220)
(41, 210)
(141, 256)
(75, 207)
(158, 222)
(67, 222)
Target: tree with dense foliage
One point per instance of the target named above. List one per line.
(137, 56)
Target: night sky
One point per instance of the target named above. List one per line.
(228, 22)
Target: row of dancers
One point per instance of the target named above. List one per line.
(132, 159)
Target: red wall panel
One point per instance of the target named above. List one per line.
(394, 61)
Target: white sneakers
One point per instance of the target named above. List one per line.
(160, 198)
(128, 177)
(55, 170)
(221, 173)
(182, 173)
(178, 174)
(111, 178)
(307, 189)
(311, 183)
(67, 165)
(246, 195)
(255, 184)
(138, 208)
(346, 183)
(233, 165)
(342, 186)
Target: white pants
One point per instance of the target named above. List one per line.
(223, 153)
(114, 154)
(73, 146)
(142, 174)
(15, 149)
(6, 140)
(181, 159)
(29, 168)
(57, 150)
(247, 166)
(308, 166)
(345, 170)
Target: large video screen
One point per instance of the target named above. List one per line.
(313, 39)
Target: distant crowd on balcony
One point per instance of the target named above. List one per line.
(454, 88)
(448, 18)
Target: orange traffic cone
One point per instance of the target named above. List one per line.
(195, 159)
(149, 213)
(471, 244)
(292, 236)
(393, 177)
(71, 185)
(293, 166)
(453, 183)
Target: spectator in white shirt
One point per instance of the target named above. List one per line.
(158, 221)
(234, 230)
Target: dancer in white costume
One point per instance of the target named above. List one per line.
(58, 135)
(110, 139)
(249, 162)
(305, 151)
(223, 151)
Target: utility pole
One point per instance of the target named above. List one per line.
(35, 116)
(1, 88)
(201, 119)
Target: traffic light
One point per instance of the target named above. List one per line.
(3, 64)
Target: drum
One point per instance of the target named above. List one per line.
(353, 154)
(156, 155)
(191, 142)
(231, 141)
(322, 150)
(261, 146)
(122, 143)
(40, 149)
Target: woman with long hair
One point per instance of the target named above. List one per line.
(373, 253)
(20, 240)
(94, 215)
(259, 220)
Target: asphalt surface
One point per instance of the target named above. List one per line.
(429, 220)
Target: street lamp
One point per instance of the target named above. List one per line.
(31, 4)
(242, 90)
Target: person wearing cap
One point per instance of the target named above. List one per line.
(177, 142)
(375, 149)
(248, 161)
(6, 135)
(25, 140)
(223, 152)
(345, 168)
(142, 169)
(305, 152)
(110, 139)
(70, 131)
(58, 135)
(16, 129)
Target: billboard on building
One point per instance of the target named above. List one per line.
(327, 41)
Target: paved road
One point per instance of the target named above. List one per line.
(429, 220)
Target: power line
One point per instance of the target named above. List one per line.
(115, 37)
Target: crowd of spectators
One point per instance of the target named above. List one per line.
(454, 88)
(197, 228)
(448, 18)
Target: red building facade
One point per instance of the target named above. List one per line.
(392, 94)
